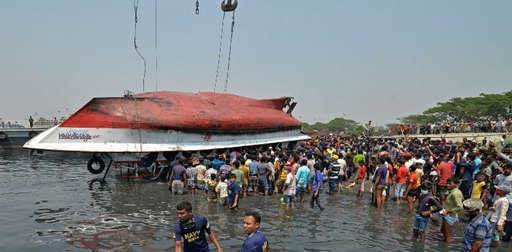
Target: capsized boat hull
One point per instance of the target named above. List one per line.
(140, 141)
(171, 121)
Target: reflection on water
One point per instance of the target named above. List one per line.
(48, 204)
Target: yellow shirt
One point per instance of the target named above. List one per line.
(420, 175)
(478, 188)
(245, 169)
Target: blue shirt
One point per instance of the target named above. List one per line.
(178, 170)
(302, 175)
(382, 171)
(217, 164)
(319, 181)
(468, 171)
(234, 189)
(194, 238)
(255, 242)
(478, 228)
(253, 168)
(476, 165)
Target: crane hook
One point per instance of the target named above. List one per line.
(197, 7)
(229, 5)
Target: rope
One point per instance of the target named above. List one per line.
(220, 51)
(156, 45)
(136, 20)
(229, 54)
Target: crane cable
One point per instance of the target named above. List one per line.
(156, 45)
(136, 20)
(220, 52)
(229, 54)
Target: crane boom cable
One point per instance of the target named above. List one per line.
(136, 20)
(220, 52)
(229, 54)
(156, 45)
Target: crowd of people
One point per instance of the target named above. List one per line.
(503, 126)
(466, 183)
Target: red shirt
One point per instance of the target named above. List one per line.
(445, 172)
(362, 172)
(390, 172)
(402, 174)
(413, 180)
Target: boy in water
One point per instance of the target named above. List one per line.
(222, 191)
(289, 188)
(234, 192)
(424, 210)
(317, 187)
(211, 185)
(361, 175)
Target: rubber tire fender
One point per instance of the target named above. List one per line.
(3, 135)
(95, 160)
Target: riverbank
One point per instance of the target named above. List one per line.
(455, 137)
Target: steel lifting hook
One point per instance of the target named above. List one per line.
(229, 5)
(197, 7)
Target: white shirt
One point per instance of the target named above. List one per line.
(201, 171)
(223, 189)
(209, 173)
(290, 181)
(500, 214)
(409, 163)
(343, 166)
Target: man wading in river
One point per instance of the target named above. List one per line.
(256, 240)
(192, 228)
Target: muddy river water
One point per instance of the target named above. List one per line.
(48, 205)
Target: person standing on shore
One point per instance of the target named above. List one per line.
(192, 229)
(31, 121)
(256, 240)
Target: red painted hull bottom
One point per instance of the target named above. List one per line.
(205, 112)
(171, 121)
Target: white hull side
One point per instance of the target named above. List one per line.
(138, 141)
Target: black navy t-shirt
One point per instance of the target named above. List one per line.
(194, 239)
(255, 242)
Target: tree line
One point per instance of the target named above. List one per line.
(485, 107)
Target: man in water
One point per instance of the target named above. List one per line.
(478, 234)
(192, 228)
(452, 206)
(256, 240)
(178, 176)
(302, 180)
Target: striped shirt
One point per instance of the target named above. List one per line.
(478, 228)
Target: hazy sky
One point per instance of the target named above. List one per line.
(367, 60)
